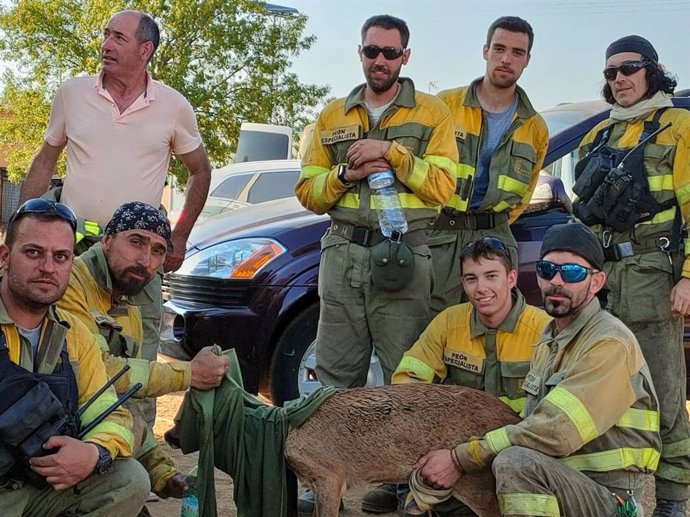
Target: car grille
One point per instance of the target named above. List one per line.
(204, 290)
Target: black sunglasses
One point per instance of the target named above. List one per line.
(570, 273)
(626, 68)
(371, 51)
(46, 206)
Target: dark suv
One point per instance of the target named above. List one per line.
(249, 280)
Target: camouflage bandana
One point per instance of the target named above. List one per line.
(137, 215)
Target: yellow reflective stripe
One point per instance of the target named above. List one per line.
(407, 200)
(349, 200)
(311, 171)
(92, 228)
(516, 405)
(457, 202)
(529, 504)
(575, 411)
(419, 174)
(683, 194)
(318, 187)
(497, 440)
(508, 184)
(676, 474)
(614, 459)
(440, 161)
(641, 419)
(502, 206)
(663, 217)
(463, 171)
(139, 372)
(673, 450)
(417, 368)
(112, 428)
(659, 183)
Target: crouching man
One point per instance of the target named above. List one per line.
(591, 421)
(106, 290)
(50, 364)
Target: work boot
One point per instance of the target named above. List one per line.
(382, 499)
(668, 508)
(306, 504)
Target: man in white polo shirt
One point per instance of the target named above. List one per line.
(119, 128)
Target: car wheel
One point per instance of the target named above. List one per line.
(294, 362)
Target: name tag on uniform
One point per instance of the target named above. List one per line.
(464, 361)
(341, 134)
(460, 133)
(531, 384)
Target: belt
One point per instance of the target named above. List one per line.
(370, 237)
(620, 250)
(479, 221)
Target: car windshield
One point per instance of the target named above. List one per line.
(558, 120)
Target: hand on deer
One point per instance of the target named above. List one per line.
(439, 470)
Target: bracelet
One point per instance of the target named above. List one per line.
(456, 461)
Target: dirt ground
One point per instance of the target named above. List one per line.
(167, 408)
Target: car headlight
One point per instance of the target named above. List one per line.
(240, 259)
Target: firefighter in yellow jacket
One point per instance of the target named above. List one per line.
(106, 290)
(485, 344)
(41, 343)
(382, 125)
(501, 143)
(591, 422)
(647, 266)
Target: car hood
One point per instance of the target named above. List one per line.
(260, 220)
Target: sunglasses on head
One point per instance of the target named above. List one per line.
(492, 242)
(570, 273)
(46, 206)
(626, 68)
(371, 51)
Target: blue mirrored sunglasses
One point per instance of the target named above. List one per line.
(46, 206)
(570, 273)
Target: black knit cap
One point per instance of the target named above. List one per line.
(633, 43)
(575, 238)
(137, 215)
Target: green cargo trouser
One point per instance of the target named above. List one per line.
(356, 315)
(446, 246)
(120, 492)
(529, 483)
(640, 288)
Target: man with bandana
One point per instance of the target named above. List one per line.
(647, 266)
(106, 291)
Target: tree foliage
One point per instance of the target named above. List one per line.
(229, 58)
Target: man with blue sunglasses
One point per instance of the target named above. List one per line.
(590, 433)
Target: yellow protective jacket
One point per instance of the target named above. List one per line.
(89, 298)
(515, 164)
(457, 348)
(590, 403)
(422, 156)
(667, 164)
(115, 432)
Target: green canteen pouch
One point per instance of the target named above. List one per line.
(392, 265)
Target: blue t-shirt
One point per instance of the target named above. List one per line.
(496, 126)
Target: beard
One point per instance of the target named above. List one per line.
(499, 80)
(130, 286)
(31, 298)
(384, 84)
(569, 306)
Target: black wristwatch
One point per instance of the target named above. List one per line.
(105, 460)
(341, 175)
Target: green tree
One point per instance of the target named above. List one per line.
(230, 58)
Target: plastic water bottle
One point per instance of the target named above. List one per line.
(391, 215)
(190, 501)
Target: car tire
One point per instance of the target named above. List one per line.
(289, 355)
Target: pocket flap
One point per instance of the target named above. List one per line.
(410, 129)
(524, 151)
(517, 369)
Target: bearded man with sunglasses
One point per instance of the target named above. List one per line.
(590, 432)
(501, 143)
(647, 266)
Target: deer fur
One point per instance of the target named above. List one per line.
(377, 434)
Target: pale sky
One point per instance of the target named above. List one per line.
(446, 38)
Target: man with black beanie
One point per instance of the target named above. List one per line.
(639, 222)
(590, 429)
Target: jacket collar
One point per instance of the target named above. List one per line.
(477, 328)
(524, 107)
(404, 99)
